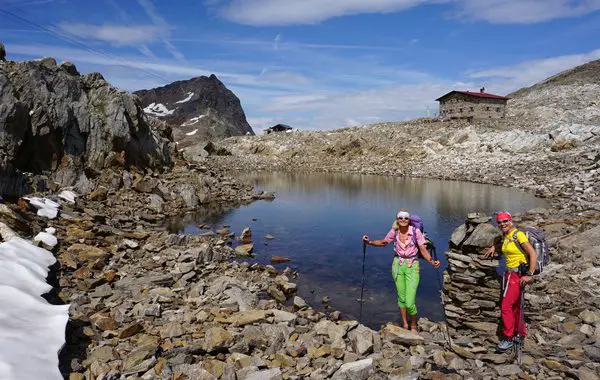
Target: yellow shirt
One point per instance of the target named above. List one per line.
(514, 256)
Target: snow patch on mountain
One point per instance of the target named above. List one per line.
(158, 109)
(189, 97)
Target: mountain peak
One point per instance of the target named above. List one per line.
(197, 109)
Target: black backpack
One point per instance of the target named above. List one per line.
(537, 238)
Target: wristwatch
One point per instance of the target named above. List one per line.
(530, 274)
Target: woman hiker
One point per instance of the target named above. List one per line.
(519, 271)
(405, 267)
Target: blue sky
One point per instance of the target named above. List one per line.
(313, 64)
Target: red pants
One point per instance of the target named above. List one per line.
(511, 311)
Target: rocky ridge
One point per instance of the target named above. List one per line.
(198, 109)
(68, 128)
(560, 164)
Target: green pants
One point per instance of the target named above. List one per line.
(407, 281)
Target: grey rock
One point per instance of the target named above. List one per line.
(188, 193)
(507, 370)
(361, 339)
(592, 352)
(484, 236)
(299, 302)
(266, 374)
(243, 298)
(155, 203)
(358, 370)
(590, 317)
(194, 371)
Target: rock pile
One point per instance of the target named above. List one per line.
(472, 286)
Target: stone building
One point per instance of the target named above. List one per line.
(472, 105)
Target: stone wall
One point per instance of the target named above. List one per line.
(472, 286)
(459, 106)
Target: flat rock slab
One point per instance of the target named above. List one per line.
(399, 335)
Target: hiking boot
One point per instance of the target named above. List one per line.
(504, 345)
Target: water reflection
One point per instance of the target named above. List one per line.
(318, 220)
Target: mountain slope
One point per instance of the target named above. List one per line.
(197, 109)
(572, 96)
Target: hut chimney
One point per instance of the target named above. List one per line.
(482, 90)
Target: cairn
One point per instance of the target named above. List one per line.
(472, 284)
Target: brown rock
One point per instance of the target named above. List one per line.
(279, 259)
(110, 275)
(214, 367)
(247, 317)
(100, 194)
(86, 253)
(82, 273)
(216, 339)
(136, 235)
(131, 330)
(103, 322)
(398, 335)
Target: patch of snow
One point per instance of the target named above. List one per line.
(32, 331)
(45, 207)
(158, 109)
(193, 120)
(68, 196)
(51, 230)
(46, 238)
(6, 233)
(30, 112)
(192, 132)
(190, 94)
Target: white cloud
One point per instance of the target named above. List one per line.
(285, 12)
(509, 78)
(288, 44)
(526, 11)
(337, 109)
(119, 35)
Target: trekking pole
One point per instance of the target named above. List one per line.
(520, 343)
(441, 285)
(362, 282)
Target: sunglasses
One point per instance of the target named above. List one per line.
(503, 221)
(403, 218)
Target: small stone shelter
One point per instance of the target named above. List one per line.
(278, 128)
(472, 105)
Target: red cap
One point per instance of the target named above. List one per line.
(503, 216)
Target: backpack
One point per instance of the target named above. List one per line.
(537, 238)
